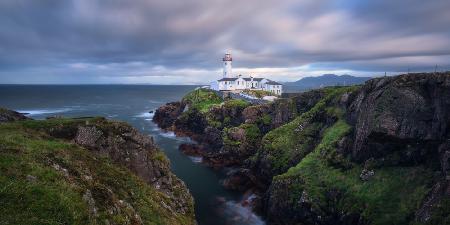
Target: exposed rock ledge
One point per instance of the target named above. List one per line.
(106, 173)
(339, 155)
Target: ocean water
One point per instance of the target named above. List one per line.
(132, 104)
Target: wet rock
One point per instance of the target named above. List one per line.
(166, 115)
(191, 149)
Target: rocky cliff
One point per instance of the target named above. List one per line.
(86, 171)
(371, 154)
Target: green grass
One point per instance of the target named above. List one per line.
(259, 93)
(220, 120)
(252, 132)
(390, 197)
(297, 138)
(202, 99)
(236, 103)
(56, 196)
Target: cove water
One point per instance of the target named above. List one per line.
(132, 104)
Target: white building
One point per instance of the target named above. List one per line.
(239, 83)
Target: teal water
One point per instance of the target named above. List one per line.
(132, 103)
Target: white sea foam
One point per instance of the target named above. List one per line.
(196, 159)
(35, 112)
(155, 102)
(241, 215)
(145, 115)
(168, 134)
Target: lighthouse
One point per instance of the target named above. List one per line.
(227, 66)
(238, 84)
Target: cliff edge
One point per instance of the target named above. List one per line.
(376, 153)
(86, 171)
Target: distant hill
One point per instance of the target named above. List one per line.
(325, 80)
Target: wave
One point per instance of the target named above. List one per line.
(35, 112)
(241, 215)
(168, 134)
(155, 102)
(196, 159)
(146, 115)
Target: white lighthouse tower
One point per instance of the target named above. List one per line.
(227, 66)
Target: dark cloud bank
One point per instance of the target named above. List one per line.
(143, 41)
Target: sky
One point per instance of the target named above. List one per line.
(182, 42)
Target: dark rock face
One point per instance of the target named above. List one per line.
(285, 212)
(190, 149)
(411, 111)
(440, 191)
(253, 113)
(166, 115)
(9, 116)
(393, 122)
(228, 115)
(281, 111)
(191, 123)
(307, 100)
(213, 138)
(127, 147)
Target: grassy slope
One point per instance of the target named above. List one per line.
(55, 196)
(284, 142)
(390, 197)
(203, 99)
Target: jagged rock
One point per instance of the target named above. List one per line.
(392, 113)
(9, 116)
(166, 115)
(213, 138)
(281, 210)
(191, 123)
(128, 147)
(254, 113)
(440, 191)
(398, 122)
(88, 136)
(87, 197)
(366, 174)
(190, 149)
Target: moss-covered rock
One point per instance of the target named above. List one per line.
(8, 115)
(287, 145)
(372, 154)
(86, 171)
(202, 99)
(320, 192)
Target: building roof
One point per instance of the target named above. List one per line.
(271, 82)
(254, 79)
(228, 79)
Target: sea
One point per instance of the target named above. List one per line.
(136, 104)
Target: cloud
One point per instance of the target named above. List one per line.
(149, 41)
